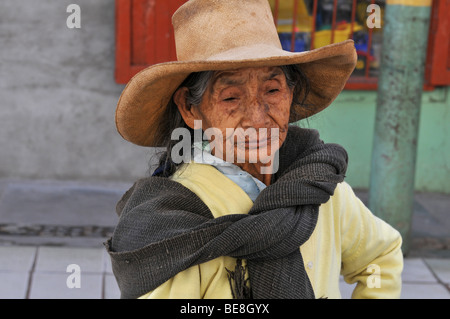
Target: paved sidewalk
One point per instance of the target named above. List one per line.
(51, 236)
(45, 273)
(30, 272)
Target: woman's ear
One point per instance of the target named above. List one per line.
(179, 97)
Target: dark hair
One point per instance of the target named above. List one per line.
(197, 83)
(295, 78)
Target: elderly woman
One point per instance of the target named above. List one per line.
(256, 208)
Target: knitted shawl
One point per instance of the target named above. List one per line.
(164, 228)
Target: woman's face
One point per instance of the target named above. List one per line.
(244, 113)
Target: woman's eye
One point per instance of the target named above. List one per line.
(273, 91)
(230, 99)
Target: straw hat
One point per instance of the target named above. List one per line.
(224, 35)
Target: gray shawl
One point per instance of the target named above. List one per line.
(164, 228)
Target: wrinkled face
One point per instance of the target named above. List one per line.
(245, 113)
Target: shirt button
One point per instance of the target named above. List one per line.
(310, 265)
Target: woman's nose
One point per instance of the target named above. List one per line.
(255, 114)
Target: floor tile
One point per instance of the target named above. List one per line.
(57, 259)
(424, 291)
(415, 270)
(54, 286)
(441, 268)
(107, 261)
(13, 285)
(17, 258)
(111, 290)
(346, 289)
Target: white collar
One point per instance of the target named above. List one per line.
(251, 185)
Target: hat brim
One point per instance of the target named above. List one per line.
(142, 103)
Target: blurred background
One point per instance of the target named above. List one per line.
(59, 88)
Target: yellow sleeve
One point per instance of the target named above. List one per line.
(371, 252)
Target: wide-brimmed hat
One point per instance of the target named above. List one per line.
(212, 35)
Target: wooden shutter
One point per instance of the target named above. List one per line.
(144, 35)
(437, 70)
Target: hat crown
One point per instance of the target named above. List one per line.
(207, 28)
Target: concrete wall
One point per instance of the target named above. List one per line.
(58, 97)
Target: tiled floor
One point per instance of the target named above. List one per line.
(46, 273)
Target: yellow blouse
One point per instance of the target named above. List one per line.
(348, 240)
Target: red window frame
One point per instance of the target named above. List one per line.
(437, 69)
(144, 36)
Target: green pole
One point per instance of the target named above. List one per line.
(400, 84)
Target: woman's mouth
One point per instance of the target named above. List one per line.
(252, 139)
(254, 144)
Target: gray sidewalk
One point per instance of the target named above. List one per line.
(42, 272)
(51, 236)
